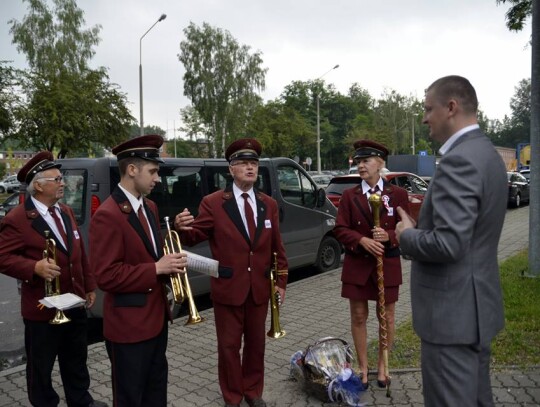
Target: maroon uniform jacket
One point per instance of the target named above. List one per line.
(22, 241)
(243, 265)
(123, 261)
(355, 220)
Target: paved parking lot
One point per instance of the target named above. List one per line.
(313, 309)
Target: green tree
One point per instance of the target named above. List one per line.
(221, 79)
(520, 104)
(9, 98)
(135, 130)
(69, 107)
(516, 128)
(72, 112)
(282, 131)
(393, 121)
(196, 131)
(517, 13)
(53, 40)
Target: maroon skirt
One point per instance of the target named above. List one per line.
(369, 292)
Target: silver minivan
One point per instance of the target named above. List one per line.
(307, 217)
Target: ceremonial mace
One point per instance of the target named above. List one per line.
(375, 203)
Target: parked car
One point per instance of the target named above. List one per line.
(9, 184)
(307, 217)
(527, 174)
(415, 186)
(518, 189)
(9, 203)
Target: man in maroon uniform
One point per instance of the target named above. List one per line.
(242, 225)
(128, 261)
(22, 242)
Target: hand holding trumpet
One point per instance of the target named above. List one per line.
(47, 269)
(172, 263)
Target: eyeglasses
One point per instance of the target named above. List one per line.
(57, 179)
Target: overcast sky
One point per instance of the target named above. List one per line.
(386, 44)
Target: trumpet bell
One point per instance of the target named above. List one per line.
(59, 318)
(276, 334)
(194, 319)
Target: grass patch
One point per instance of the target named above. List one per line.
(518, 344)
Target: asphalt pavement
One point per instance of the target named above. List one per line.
(313, 309)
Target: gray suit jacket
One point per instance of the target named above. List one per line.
(455, 287)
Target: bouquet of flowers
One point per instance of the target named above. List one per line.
(324, 369)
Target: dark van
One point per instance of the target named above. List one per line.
(307, 217)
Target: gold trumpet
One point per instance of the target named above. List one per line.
(50, 254)
(179, 281)
(275, 328)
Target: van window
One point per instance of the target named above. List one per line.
(219, 177)
(296, 187)
(179, 188)
(75, 192)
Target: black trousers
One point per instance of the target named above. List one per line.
(140, 371)
(44, 342)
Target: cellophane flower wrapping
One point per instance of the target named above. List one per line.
(325, 369)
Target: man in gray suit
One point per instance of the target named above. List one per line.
(455, 289)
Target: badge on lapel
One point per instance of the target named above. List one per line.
(389, 209)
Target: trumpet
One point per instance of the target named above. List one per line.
(275, 328)
(179, 281)
(50, 254)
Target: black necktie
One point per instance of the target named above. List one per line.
(249, 216)
(59, 225)
(144, 223)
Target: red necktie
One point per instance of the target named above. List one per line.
(59, 225)
(249, 216)
(144, 223)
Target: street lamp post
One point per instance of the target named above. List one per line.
(319, 123)
(161, 18)
(413, 120)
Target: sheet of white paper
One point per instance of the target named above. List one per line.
(63, 301)
(201, 264)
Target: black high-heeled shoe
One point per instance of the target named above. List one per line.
(382, 383)
(366, 384)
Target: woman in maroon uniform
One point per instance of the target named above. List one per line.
(363, 242)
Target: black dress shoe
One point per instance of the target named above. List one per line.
(96, 403)
(256, 403)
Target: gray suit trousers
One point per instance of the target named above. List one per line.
(456, 375)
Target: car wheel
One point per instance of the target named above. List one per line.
(2, 190)
(329, 254)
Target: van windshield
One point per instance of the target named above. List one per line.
(75, 193)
